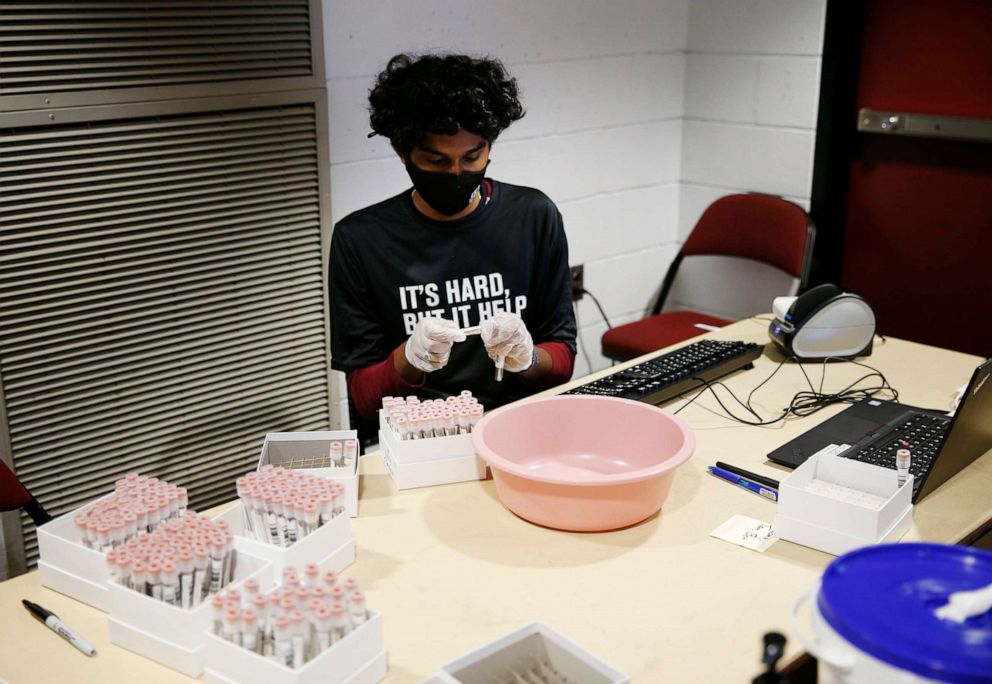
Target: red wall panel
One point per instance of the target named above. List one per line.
(918, 235)
(929, 57)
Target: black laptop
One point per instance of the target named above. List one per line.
(872, 431)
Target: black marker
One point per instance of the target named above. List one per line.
(52, 621)
(760, 479)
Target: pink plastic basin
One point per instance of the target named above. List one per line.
(583, 463)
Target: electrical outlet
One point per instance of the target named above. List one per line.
(578, 273)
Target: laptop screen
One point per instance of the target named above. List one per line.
(969, 434)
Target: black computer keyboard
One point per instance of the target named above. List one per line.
(676, 372)
(921, 433)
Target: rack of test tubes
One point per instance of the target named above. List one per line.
(411, 418)
(429, 442)
(181, 561)
(295, 622)
(72, 546)
(282, 506)
(331, 454)
(139, 504)
(312, 628)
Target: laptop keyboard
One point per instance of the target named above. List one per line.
(922, 434)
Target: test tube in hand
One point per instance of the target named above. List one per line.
(499, 368)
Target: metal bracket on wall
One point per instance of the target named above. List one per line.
(925, 125)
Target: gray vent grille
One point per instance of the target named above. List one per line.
(162, 304)
(48, 47)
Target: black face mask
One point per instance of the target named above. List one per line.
(446, 193)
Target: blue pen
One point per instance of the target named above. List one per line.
(751, 486)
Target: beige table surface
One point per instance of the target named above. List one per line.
(450, 568)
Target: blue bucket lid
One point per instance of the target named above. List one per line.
(882, 600)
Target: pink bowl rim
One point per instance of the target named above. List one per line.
(498, 462)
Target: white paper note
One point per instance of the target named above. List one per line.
(750, 533)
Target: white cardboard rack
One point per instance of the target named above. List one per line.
(331, 546)
(427, 462)
(516, 651)
(69, 567)
(173, 636)
(359, 658)
(281, 448)
(836, 504)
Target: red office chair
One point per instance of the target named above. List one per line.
(754, 226)
(13, 495)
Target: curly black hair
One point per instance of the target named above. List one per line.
(440, 93)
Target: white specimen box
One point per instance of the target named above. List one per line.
(69, 567)
(836, 504)
(497, 660)
(309, 452)
(358, 658)
(331, 546)
(426, 462)
(173, 636)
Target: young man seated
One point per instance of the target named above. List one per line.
(455, 251)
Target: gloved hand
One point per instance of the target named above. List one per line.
(505, 335)
(429, 346)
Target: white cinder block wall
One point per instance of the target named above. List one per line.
(752, 87)
(637, 117)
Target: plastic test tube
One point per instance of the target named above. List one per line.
(217, 604)
(155, 580)
(251, 590)
(231, 630)
(201, 563)
(322, 621)
(185, 578)
(111, 559)
(299, 627)
(339, 622)
(903, 460)
(283, 651)
(337, 454)
(170, 583)
(357, 607)
(216, 564)
(293, 515)
(139, 576)
(338, 594)
(249, 630)
(350, 453)
(474, 416)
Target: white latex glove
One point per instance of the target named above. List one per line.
(506, 337)
(429, 346)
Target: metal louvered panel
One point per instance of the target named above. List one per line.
(49, 47)
(162, 294)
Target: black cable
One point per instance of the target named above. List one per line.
(803, 403)
(583, 291)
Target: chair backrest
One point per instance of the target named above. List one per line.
(13, 495)
(755, 226)
(751, 225)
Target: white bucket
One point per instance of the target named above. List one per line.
(839, 661)
(902, 614)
